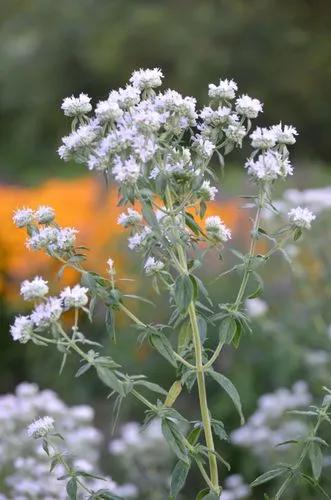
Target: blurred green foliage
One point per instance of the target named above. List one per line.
(277, 50)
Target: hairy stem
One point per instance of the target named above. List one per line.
(204, 410)
(247, 271)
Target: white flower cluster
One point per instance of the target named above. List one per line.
(41, 427)
(76, 106)
(216, 228)
(153, 266)
(269, 166)
(44, 233)
(48, 311)
(207, 192)
(270, 424)
(256, 307)
(235, 488)
(24, 464)
(24, 217)
(301, 217)
(74, 297)
(130, 218)
(35, 289)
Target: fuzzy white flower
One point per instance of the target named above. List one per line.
(203, 146)
(226, 89)
(126, 170)
(41, 427)
(249, 107)
(217, 116)
(107, 111)
(76, 106)
(23, 217)
(125, 98)
(146, 78)
(44, 214)
(263, 138)
(207, 192)
(256, 307)
(130, 218)
(74, 297)
(216, 228)
(136, 241)
(301, 217)
(153, 265)
(35, 289)
(235, 133)
(284, 134)
(269, 166)
(22, 329)
(47, 313)
(78, 144)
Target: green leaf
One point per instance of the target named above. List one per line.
(259, 288)
(230, 389)
(297, 233)
(72, 488)
(152, 387)
(174, 439)
(238, 333)
(184, 336)
(173, 393)
(190, 222)
(211, 496)
(178, 478)
(109, 378)
(110, 323)
(316, 459)
(202, 494)
(194, 435)
(218, 428)
(227, 330)
(163, 346)
(183, 292)
(83, 369)
(268, 476)
(202, 325)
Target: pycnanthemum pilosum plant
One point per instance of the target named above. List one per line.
(158, 148)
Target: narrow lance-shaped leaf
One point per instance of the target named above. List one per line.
(230, 389)
(183, 292)
(178, 478)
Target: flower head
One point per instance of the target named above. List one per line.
(263, 138)
(47, 313)
(108, 111)
(153, 265)
(23, 217)
(74, 297)
(269, 166)
(249, 107)
(41, 427)
(22, 329)
(35, 289)
(216, 228)
(226, 89)
(146, 78)
(284, 134)
(44, 214)
(76, 106)
(130, 218)
(301, 217)
(207, 192)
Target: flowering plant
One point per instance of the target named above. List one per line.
(159, 149)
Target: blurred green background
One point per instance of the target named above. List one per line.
(278, 51)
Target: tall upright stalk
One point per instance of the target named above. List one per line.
(203, 402)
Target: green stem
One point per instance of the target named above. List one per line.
(247, 271)
(204, 410)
